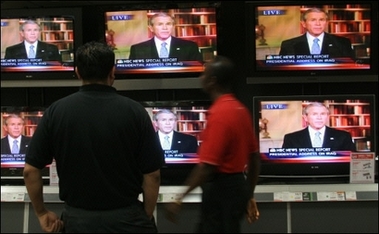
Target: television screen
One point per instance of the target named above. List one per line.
(190, 35)
(178, 125)
(280, 37)
(39, 45)
(18, 126)
(286, 125)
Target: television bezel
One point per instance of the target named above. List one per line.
(255, 76)
(312, 170)
(72, 12)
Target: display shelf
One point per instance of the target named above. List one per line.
(264, 193)
(18, 214)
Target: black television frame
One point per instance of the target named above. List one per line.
(308, 171)
(69, 12)
(258, 76)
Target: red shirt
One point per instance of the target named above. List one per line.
(229, 136)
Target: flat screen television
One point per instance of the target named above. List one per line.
(59, 28)
(286, 157)
(273, 59)
(12, 162)
(190, 120)
(126, 28)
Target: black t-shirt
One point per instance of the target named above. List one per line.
(102, 142)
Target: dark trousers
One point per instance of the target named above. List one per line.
(131, 219)
(224, 203)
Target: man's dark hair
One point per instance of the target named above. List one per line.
(94, 61)
(223, 68)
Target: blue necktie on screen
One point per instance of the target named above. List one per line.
(163, 52)
(316, 47)
(32, 54)
(166, 143)
(15, 149)
(317, 140)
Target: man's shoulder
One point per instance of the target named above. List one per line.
(329, 36)
(14, 46)
(294, 39)
(299, 132)
(142, 44)
(183, 135)
(337, 131)
(182, 41)
(26, 138)
(46, 45)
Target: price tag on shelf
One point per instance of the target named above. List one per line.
(170, 197)
(12, 197)
(362, 167)
(330, 196)
(351, 195)
(288, 196)
(54, 179)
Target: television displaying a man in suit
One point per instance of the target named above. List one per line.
(315, 22)
(31, 47)
(14, 143)
(162, 26)
(165, 121)
(317, 134)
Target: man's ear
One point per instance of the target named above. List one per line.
(77, 73)
(155, 124)
(111, 75)
(211, 82)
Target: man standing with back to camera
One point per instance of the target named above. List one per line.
(229, 145)
(106, 154)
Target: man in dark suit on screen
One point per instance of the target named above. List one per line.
(31, 47)
(165, 120)
(14, 142)
(162, 26)
(317, 134)
(314, 21)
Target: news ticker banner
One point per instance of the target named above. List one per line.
(12, 158)
(304, 59)
(320, 154)
(304, 152)
(36, 62)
